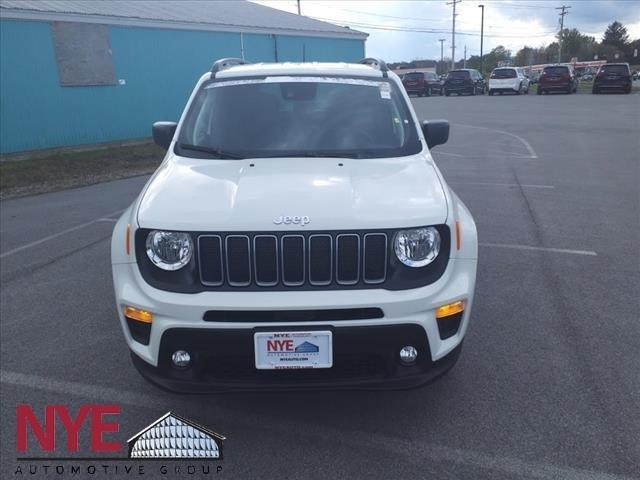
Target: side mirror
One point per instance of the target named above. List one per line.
(163, 133)
(436, 132)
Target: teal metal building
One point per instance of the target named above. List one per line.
(85, 72)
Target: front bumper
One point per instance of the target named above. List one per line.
(410, 314)
(363, 358)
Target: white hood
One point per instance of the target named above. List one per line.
(231, 195)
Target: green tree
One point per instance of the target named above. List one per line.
(524, 56)
(616, 35)
(574, 44)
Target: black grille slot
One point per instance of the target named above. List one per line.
(347, 259)
(320, 259)
(238, 260)
(375, 257)
(292, 315)
(210, 249)
(265, 257)
(293, 260)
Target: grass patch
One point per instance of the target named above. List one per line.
(47, 172)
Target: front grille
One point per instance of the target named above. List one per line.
(293, 260)
(281, 261)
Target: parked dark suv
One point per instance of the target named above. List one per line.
(557, 78)
(421, 83)
(464, 81)
(613, 76)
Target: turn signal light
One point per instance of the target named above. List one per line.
(127, 240)
(137, 314)
(450, 309)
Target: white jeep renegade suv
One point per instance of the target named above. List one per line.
(298, 234)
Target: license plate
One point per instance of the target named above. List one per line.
(293, 350)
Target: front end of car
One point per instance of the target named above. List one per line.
(191, 303)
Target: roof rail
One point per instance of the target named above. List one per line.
(225, 63)
(377, 64)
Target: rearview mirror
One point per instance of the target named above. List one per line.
(436, 132)
(163, 133)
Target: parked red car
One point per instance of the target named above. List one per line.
(557, 78)
(421, 83)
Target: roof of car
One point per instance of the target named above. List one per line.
(299, 68)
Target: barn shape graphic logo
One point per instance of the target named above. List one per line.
(172, 436)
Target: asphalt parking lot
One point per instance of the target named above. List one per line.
(548, 385)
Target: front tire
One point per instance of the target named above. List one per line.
(490, 93)
(447, 93)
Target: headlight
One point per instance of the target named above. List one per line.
(169, 250)
(417, 247)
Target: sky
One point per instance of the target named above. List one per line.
(511, 23)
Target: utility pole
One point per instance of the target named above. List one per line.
(442, 40)
(564, 12)
(298, 7)
(481, 39)
(464, 62)
(453, 34)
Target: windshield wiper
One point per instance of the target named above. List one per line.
(216, 152)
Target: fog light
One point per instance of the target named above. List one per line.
(181, 359)
(408, 354)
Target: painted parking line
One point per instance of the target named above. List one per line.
(532, 152)
(590, 253)
(448, 153)
(491, 184)
(35, 243)
(429, 452)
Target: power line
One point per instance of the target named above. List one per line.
(395, 28)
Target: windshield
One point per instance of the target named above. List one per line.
(298, 116)
(504, 73)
